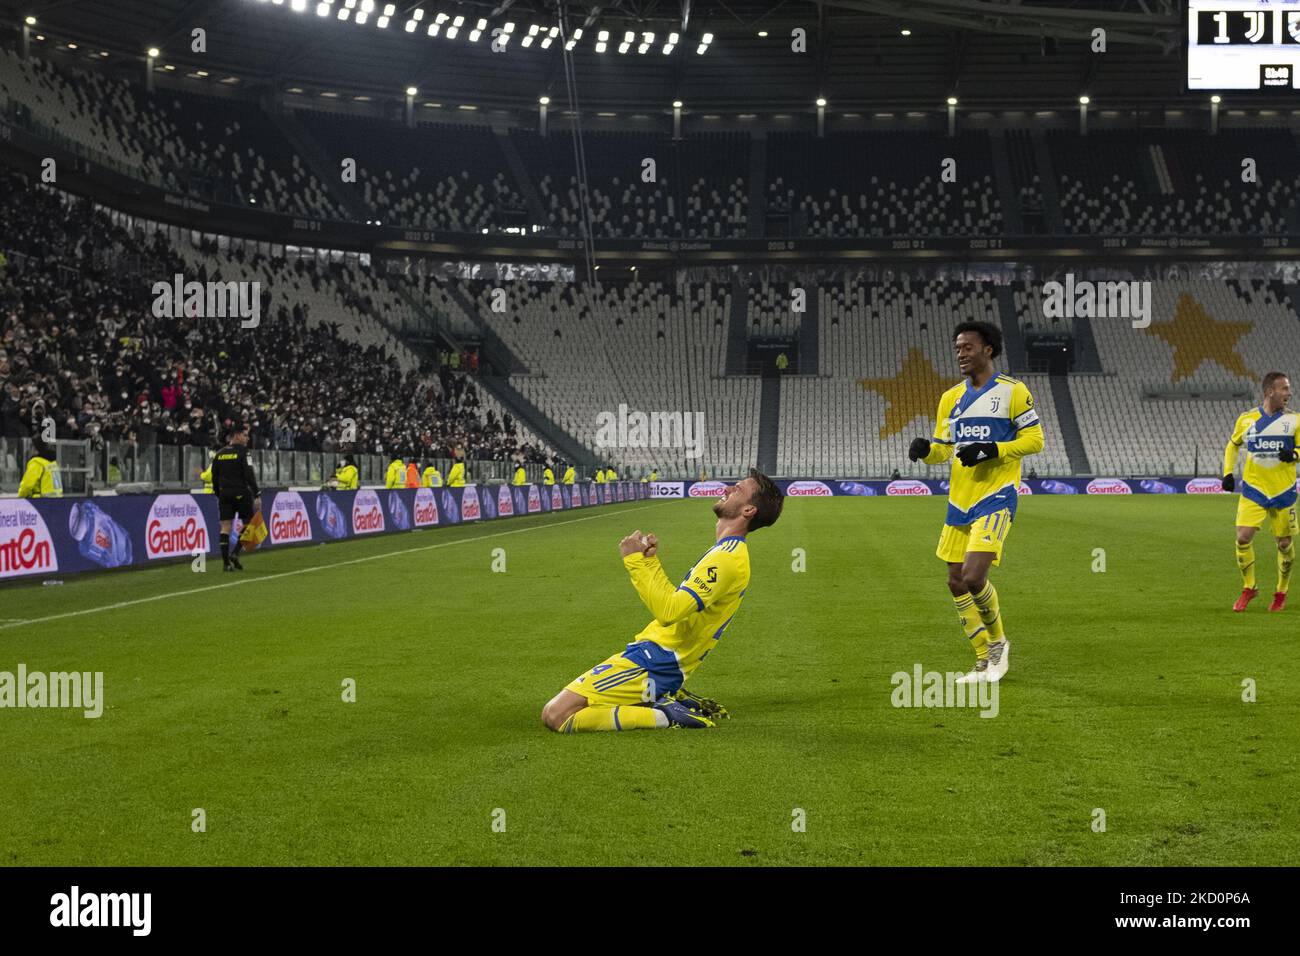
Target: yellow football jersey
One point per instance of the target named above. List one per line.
(1265, 478)
(689, 618)
(1001, 411)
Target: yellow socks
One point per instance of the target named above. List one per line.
(1284, 561)
(613, 718)
(969, 616)
(1246, 564)
(990, 612)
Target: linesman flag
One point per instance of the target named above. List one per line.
(254, 532)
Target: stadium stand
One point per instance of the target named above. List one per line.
(93, 112)
(697, 191)
(79, 340)
(435, 176)
(1170, 393)
(882, 184)
(75, 335)
(886, 358)
(235, 151)
(591, 350)
(1175, 182)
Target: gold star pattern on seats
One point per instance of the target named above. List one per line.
(1196, 338)
(914, 391)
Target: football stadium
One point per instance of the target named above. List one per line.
(402, 403)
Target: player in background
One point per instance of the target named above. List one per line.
(235, 485)
(641, 687)
(1268, 489)
(985, 425)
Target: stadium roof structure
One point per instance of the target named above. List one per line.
(860, 55)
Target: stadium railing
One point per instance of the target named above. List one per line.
(107, 464)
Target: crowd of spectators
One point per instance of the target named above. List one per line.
(79, 344)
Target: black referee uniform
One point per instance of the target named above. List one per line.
(235, 485)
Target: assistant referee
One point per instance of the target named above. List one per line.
(235, 485)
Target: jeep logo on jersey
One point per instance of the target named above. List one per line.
(967, 432)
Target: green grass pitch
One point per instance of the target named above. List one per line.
(1125, 695)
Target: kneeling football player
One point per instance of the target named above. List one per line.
(641, 688)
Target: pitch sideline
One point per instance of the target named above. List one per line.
(318, 567)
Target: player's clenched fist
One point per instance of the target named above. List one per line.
(633, 543)
(920, 448)
(977, 452)
(652, 545)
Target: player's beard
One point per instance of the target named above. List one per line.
(721, 509)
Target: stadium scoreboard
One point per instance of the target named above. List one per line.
(1243, 45)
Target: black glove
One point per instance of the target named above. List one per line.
(1229, 483)
(1287, 455)
(920, 448)
(976, 452)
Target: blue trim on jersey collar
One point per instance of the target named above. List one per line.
(1265, 419)
(730, 537)
(969, 396)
